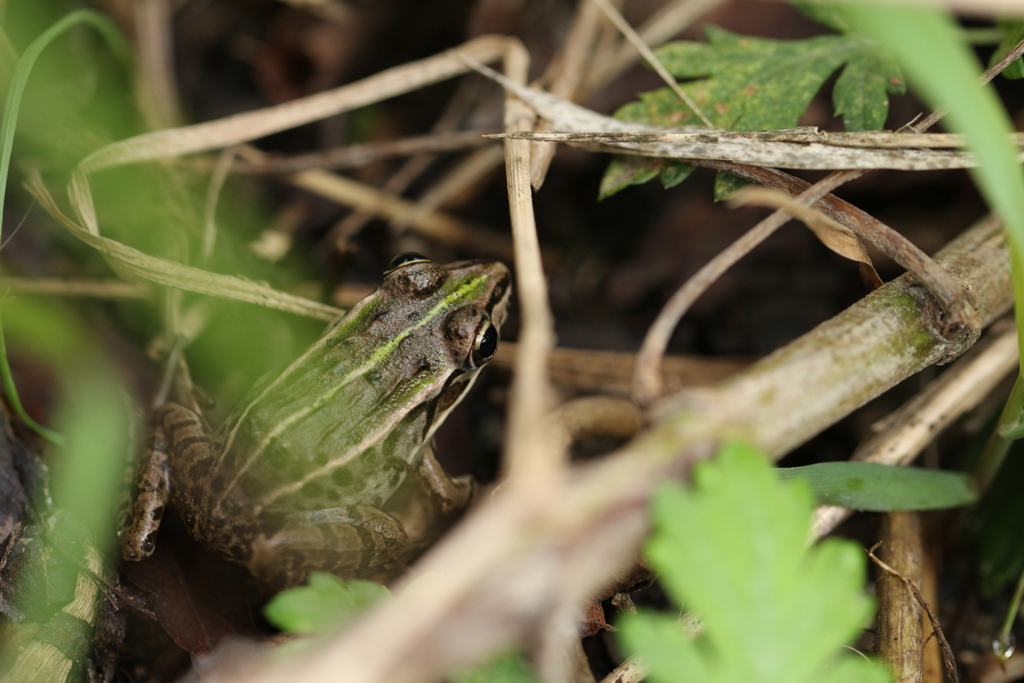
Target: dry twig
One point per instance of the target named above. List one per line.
(947, 652)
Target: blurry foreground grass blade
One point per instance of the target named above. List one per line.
(7, 126)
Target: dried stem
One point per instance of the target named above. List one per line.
(900, 639)
(532, 459)
(947, 652)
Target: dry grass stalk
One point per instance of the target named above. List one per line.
(900, 639)
(457, 108)
(248, 126)
(356, 155)
(612, 371)
(155, 82)
(533, 460)
(913, 670)
(564, 77)
(816, 151)
(435, 225)
(652, 60)
(474, 169)
(667, 22)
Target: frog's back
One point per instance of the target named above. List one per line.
(344, 423)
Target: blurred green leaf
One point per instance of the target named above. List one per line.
(733, 550)
(883, 488)
(12, 106)
(510, 668)
(325, 603)
(93, 412)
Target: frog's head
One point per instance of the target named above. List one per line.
(442, 322)
(468, 299)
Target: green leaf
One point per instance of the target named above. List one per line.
(748, 83)
(1013, 33)
(861, 97)
(733, 550)
(726, 185)
(883, 488)
(509, 668)
(745, 83)
(624, 171)
(674, 172)
(324, 603)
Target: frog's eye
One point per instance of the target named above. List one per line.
(485, 344)
(405, 258)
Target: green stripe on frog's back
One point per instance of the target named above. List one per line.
(361, 463)
(356, 320)
(347, 400)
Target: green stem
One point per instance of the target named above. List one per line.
(12, 395)
(1003, 651)
(1002, 436)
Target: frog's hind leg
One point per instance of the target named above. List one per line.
(450, 495)
(354, 542)
(179, 441)
(427, 504)
(153, 488)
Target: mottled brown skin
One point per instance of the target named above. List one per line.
(298, 479)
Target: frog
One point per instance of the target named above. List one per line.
(329, 465)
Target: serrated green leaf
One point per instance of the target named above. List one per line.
(883, 488)
(509, 668)
(324, 603)
(733, 549)
(747, 84)
(750, 83)
(861, 97)
(1013, 33)
(624, 171)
